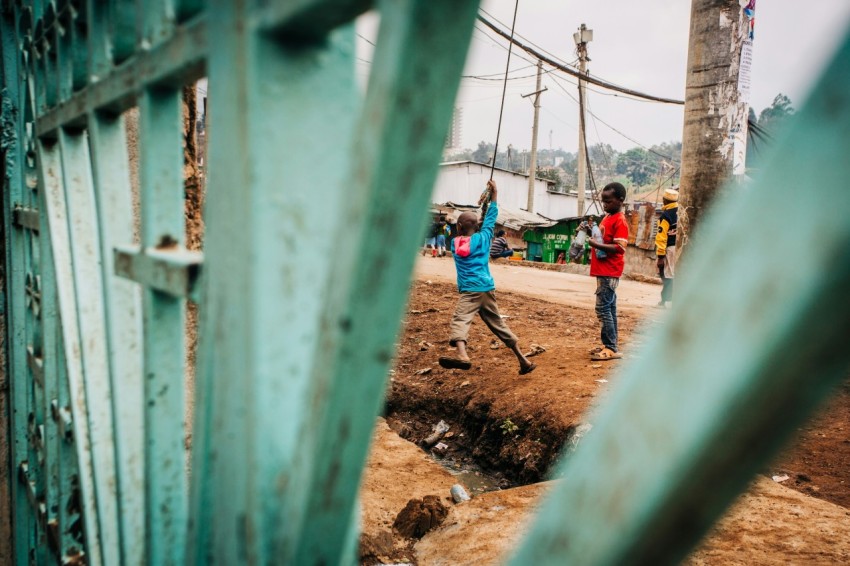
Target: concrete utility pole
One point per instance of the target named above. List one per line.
(533, 166)
(582, 37)
(716, 103)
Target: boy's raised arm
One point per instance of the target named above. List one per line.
(492, 213)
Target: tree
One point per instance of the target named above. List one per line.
(483, 153)
(462, 155)
(771, 118)
(637, 164)
(551, 174)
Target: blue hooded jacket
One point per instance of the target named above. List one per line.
(473, 269)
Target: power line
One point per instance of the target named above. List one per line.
(494, 18)
(369, 41)
(501, 74)
(502, 107)
(573, 72)
(631, 139)
(483, 78)
(488, 36)
(649, 149)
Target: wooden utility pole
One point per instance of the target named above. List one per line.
(582, 37)
(716, 103)
(532, 169)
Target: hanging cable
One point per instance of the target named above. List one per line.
(484, 201)
(573, 72)
(594, 202)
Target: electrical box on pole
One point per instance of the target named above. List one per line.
(582, 37)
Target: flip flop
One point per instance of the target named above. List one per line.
(529, 369)
(605, 354)
(453, 363)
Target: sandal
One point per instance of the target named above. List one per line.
(454, 363)
(527, 369)
(605, 354)
(596, 350)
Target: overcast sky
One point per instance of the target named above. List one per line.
(641, 45)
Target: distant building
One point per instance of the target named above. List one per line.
(454, 138)
(461, 182)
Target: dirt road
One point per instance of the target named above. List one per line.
(512, 428)
(564, 288)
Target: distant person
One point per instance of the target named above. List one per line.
(499, 247)
(441, 237)
(665, 244)
(431, 239)
(561, 259)
(609, 269)
(446, 233)
(477, 289)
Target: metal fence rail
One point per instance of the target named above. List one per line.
(96, 320)
(294, 349)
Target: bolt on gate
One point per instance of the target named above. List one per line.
(294, 348)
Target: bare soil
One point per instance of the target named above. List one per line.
(511, 424)
(514, 427)
(818, 461)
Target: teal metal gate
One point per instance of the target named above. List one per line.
(294, 348)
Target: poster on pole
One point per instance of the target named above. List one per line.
(740, 128)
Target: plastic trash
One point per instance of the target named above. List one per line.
(459, 494)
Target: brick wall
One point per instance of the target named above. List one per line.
(640, 264)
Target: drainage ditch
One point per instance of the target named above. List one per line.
(484, 451)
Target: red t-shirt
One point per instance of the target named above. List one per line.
(614, 231)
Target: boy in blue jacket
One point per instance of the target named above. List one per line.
(471, 251)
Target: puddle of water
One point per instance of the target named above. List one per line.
(475, 481)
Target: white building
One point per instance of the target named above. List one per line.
(461, 182)
(454, 139)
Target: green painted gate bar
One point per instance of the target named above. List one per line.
(294, 346)
(752, 347)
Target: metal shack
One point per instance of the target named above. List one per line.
(544, 243)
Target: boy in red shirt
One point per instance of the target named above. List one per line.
(608, 269)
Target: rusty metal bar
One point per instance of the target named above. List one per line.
(179, 60)
(173, 272)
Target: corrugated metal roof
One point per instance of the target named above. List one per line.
(468, 162)
(509, 218)
(652, 195)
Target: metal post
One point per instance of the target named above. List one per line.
(582, 37)
(533, 168)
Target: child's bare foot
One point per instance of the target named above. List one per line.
(524, 369)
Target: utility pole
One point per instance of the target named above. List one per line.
(533, 167)
(582, 37)
(716, 104)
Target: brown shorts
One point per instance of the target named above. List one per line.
(485, 305)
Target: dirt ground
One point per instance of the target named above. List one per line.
(768, 525)
(514, 427)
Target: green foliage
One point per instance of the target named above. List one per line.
(463, 155)
(508, 427)
(772, 117)
(551, 174)
(637, 165)
(483, 153)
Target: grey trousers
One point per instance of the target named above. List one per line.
(485, 305)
